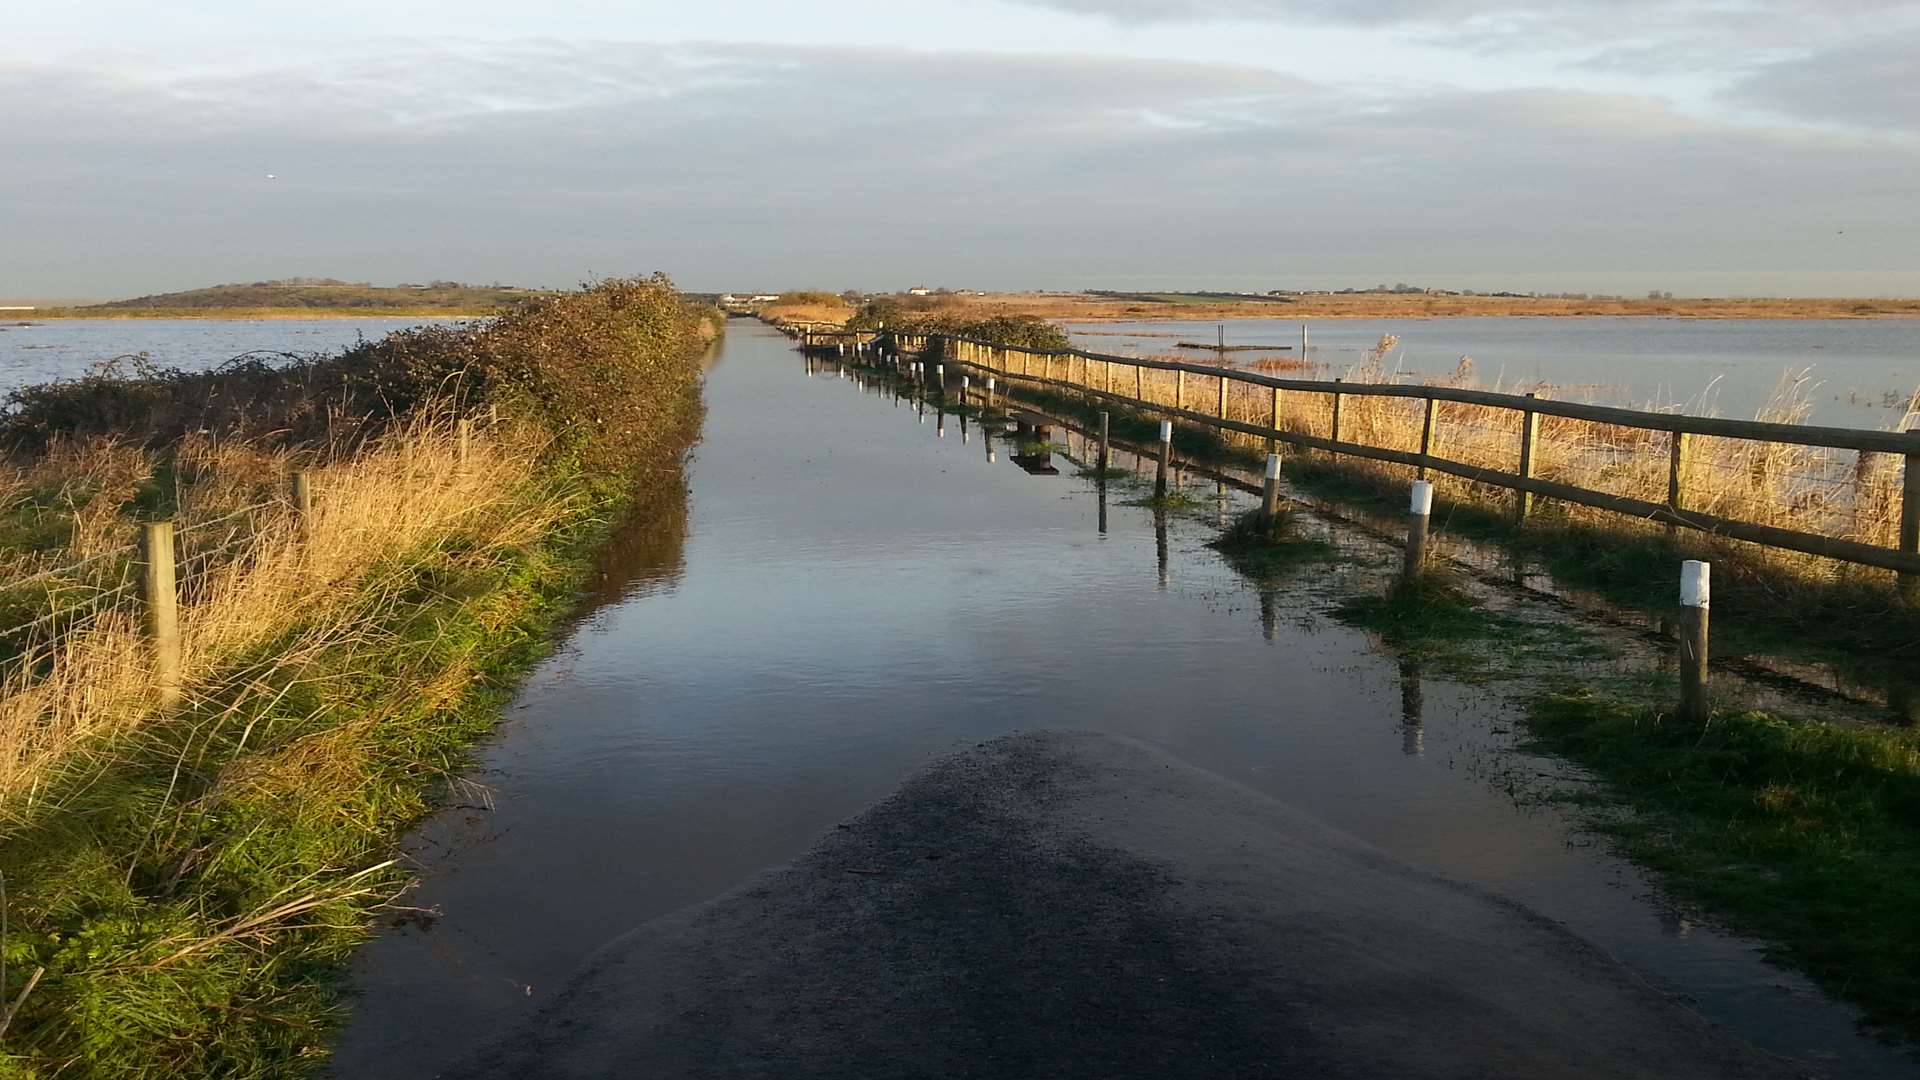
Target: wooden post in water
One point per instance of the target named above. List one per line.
(1166, 456)
(163, 610)
(1529, 438)
(1419, 516)
(1303, 339)
(1695, 592)
(1426, 432)
(1270, 492)
(1106, 456)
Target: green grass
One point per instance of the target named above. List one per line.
(286, 788)
(1268, 553)
(1804, 834)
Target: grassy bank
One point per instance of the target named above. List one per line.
(184, 883)
(1804, 834)
(306, 299)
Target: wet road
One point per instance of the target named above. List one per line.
(847, 595)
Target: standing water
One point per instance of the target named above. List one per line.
(855, 587)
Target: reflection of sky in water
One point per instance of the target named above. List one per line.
(856, 595)
(1728, 365)
(62, 348)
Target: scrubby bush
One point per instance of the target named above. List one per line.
(595, 368)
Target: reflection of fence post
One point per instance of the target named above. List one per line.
(1270, 492)
(1420, 514)
(990, 386)
(966, 384)
(1166, 455)
(1695, 579)
(1105, 455)
(1910, 517)
(163, 612)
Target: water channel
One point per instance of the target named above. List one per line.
(854, 586)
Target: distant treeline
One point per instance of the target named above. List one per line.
(928, 315)
(326, 293)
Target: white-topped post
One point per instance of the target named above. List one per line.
(1419, 515)
(1270, 492)
(1696, 580)
(1166, 456)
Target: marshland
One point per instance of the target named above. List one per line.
(520, 670)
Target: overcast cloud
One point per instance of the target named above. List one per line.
(1115, 155)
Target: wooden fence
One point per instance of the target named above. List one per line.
(1110, 378)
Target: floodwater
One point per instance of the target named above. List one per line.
(853, 587)
(33, 352)
(1863, 371)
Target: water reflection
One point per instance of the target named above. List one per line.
(1413, 732)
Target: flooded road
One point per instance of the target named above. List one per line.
(847, 595)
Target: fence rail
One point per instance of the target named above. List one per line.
(1056, 368)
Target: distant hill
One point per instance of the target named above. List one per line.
(327, 294)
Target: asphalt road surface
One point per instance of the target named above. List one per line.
(1065, 904)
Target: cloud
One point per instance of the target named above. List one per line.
(762, 166)
(1865, 84)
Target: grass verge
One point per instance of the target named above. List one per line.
(183, 885)
(1804, 834)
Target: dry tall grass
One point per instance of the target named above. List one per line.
(1838, 493)
(252, 572)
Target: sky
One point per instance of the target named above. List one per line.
(1706, 147)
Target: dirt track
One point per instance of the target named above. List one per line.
(1063, 904)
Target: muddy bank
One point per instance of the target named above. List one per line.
(1071, 904)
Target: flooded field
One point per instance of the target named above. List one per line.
(33, 352)
(1865, 370)
(857, 585)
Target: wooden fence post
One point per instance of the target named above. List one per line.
(1139, 384)
(163, 610)
(1273, 440)
(1679, 456)
(1166, 455)
(1223, 395)
(1180, 389)
(1336, 413)
(1695, 592)
(1105, 446)
(1529, 435)
(1428, 415)
(1270, 492)
(1910, 518)
(1419, 516)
